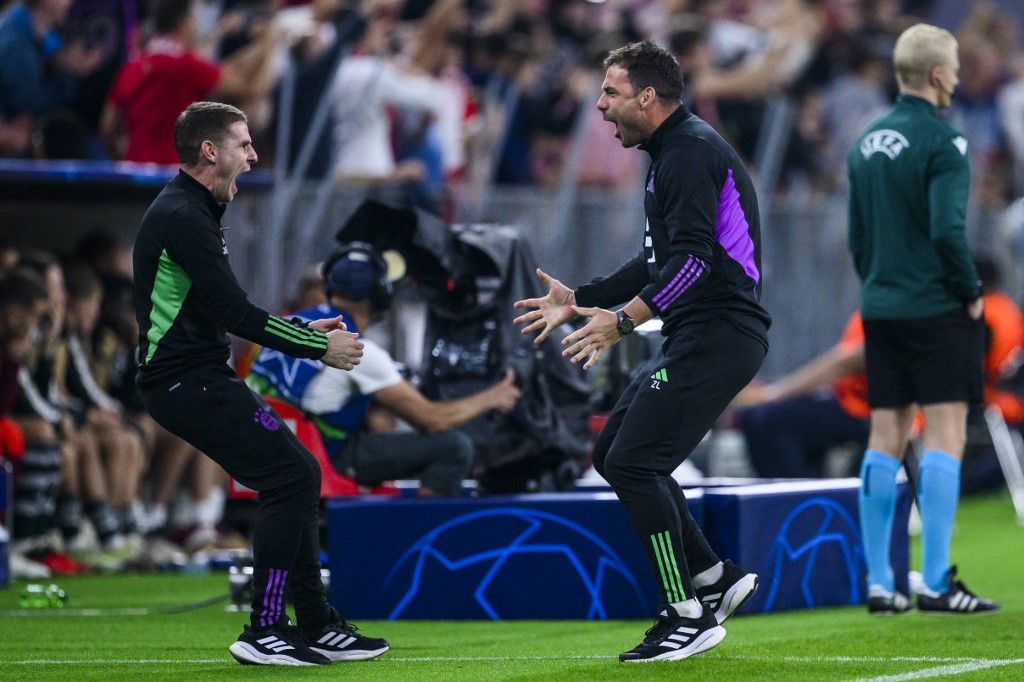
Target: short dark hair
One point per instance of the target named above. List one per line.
(203, 121)
(169, 15)
(38, 261)
(649, 66)
(21, 288)
(81, 282)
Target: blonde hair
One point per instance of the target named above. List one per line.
(917, 50)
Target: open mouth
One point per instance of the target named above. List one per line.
(234, 180)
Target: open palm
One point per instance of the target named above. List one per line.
(547, 313)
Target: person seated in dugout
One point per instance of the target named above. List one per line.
(121, 445)
(355, 410)
(831, 392)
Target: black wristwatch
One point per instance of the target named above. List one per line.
(625, 324)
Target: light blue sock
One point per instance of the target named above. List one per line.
(938, 491)
(877, 503)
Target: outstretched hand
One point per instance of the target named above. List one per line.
(328, 324)
(548, 312)
(590, 341)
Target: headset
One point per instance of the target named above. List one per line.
(381, 291)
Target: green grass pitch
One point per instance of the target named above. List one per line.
(820, 644)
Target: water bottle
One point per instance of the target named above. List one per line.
(43, 597)
(34, 597)
(240, 586)
(56, 597)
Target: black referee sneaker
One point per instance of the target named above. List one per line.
(187, 299)
(699, 270)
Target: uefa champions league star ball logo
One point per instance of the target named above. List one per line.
(265, 419)
(818, 533)
(515, 563)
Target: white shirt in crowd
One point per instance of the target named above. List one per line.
(362, 89)
(332, 387)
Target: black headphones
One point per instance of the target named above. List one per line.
(381, 291)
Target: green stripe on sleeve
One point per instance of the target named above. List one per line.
(308, 335)
(290, 329)
(302, 337)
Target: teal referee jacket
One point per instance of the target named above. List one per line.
(909, 180)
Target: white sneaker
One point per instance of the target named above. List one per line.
(23, 568)
(115, 543)
(151, 518)
(86, 541)
(201, 538)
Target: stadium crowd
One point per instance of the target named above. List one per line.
(104, 79)
(405, 86)
(75, 428)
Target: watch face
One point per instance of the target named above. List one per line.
(625, 325)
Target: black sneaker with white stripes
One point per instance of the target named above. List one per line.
(342, 641)
(275, 645)
(729, 592)
(881, 602)
(676, 638)
(957, 599)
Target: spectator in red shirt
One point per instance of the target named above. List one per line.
(150, 91)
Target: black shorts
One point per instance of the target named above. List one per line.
(924, 361)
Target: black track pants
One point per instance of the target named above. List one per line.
(657, 422)
(214, 410)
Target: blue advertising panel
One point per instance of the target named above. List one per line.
(802, 539)
(574, 555)
(558, 556)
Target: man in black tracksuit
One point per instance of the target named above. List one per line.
(699, 270)
(187, 299)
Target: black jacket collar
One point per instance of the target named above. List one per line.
(192, 186)
(654, 144)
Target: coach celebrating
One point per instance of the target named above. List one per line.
(698, 269)
(186, 299)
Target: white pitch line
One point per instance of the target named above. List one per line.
(856, 659)
(115, 662)
(945, 670)
(42, 613)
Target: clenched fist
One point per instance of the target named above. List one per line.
(343, 349)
